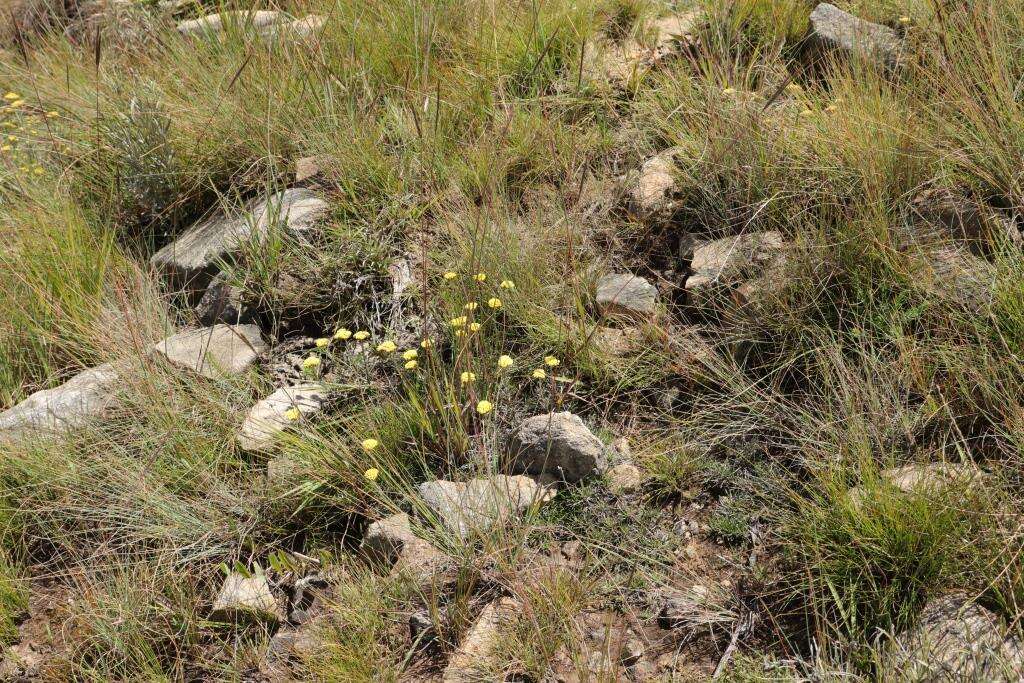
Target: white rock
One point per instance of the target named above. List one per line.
(297, 30)
(212, 24)
(267, 419)
(624, 294)
(218, 351)
(471, 508)
(191, 259)
(83, 397)
(655, 187)
(243, 597)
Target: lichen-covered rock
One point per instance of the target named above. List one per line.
(213, 24)
(218, 351)
(955, 639)
(834, 29)
(472, 661)
(469, 508)
(732, 260)
(190, 261)
(624, 294)
(72, 404)
(558, 444)
(623, 478)
(246, 597)
(654, 192)
(270, 416)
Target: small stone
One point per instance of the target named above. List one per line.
(73, 404)
(213, 24)
(221, 303)
(626, 295)
(246, 597)
(294, 643)
(472, 508)
(268, 418)
(956, 639)
(308, 27)
(308, 168)
(656, 187)
(218, 351)
(391, 543)
(623, 478)
(385, 539)
(557, 443)
(731, 260)
(480, 644)
(834, 29)
(615, 342)
(421, 629)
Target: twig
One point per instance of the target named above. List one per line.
(743, 626)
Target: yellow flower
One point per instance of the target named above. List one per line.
(904, 20)
(292, 414)
(484, 407)
(494, 302)
(6, 148)
(471, 306)
(450, 275)
(467, 377)
(507, 284)
(459, 322)
(728, 91)
(539, 373)
(427, 343)
(807, 112)
(38, 170)
(794, 88)
(361, 335)
(460, 333)
(551, 361)
(387, 346)
(52, 114)
(480, 277)
(322, 342)
(505, 361)
(411, 365)
(474, 327)
(410, 354)
(310, 362)
(342, 333)
(12, 96)
(372, 474)
(369, 444)
(17, 103)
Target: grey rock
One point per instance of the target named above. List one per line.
(221, 303)
(267, 419)
(559, 444)
(470, 663)
(309, 168)
(421, 628)
(291, 643)
(942, 214)
(731, 260)
(834, 29)
(955, 639)
(82, 398)
(469, 508)
(623, 478)
(246, 597)
(296, 30)
(624, 294)
(218, 351)
(616, 342)
(654, 192)
(213, 24)
(391, 544)
(192, 258)
(957, 276)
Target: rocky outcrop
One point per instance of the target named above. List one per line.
(955, 639)
(832, 29)
(190, 261)
(558, 444)
(270, 416)
(471, 662)
(82, 398)
(213, 24)
(469, 508)
(626, 295)
(218, 351)
(244, 598)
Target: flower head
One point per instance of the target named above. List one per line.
(361, 335)
(372, 474)
(467, 377)
(310, 362)
(494, 302)
(460, 333)
(794, 88)
(12, 96)
(322, 342)
(369, 444)
(539, 373)
(427, 343)
(480, 277)
(484, 407)
(474, 327)
(728, 91)
(410, 354)
(17, 103)
(52, 114)
(505, 361)
(450, 275)
(471, 306)
(507, 284)
(342, 333)
(386, 347)
(292, 414)
(411, 365)
(459, 322)
(551, 361)
(904, 20)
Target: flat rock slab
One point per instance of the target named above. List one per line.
(218, 351)
(558, 444)
(469, 663)
(246, 597)
(82, 398)
(212, 24)
(191, 260)
(955, 639)
(834, 29)
(267, 419)
(469, 508)
(624, 294)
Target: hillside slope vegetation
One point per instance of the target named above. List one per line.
(574, 340)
